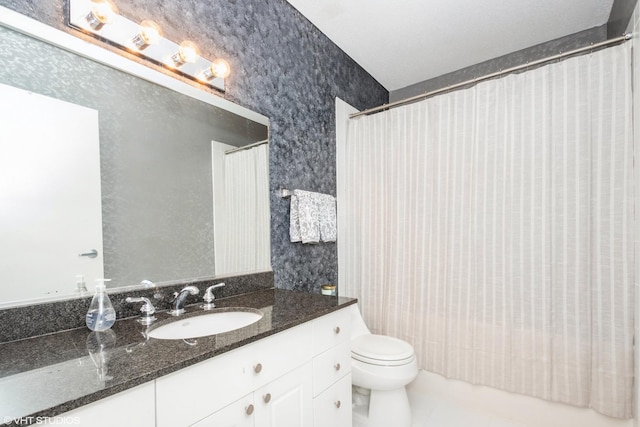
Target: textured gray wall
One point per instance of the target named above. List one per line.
(155, 154)
(283, 68)
(520, 57)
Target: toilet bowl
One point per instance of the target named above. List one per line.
(381, 367)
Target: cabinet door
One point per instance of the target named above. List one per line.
(238, 414)
(333, 407)
(287, 401)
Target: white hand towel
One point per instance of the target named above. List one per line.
(327, 217)
(304, 223)
(294, 223)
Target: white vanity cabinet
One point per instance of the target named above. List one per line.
(303, 380)
(300, 377)
(316, 394)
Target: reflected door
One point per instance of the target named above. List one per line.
(50, 192)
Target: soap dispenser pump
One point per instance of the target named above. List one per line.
(101, 315)
(81, 287)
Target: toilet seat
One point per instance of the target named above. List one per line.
(381, 350)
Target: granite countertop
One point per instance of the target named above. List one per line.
(51, 374)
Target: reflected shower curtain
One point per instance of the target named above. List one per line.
(493, 229)
(246, 209)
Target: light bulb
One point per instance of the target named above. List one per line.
(149, 33)
(219, 68)
(102, 12)
(187, 53)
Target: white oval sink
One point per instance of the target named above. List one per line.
(205, 324)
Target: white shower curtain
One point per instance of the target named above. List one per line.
(493, 229)
(245, 209)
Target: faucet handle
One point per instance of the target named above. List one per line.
(192, 290)
(147, 309)
(209, 296)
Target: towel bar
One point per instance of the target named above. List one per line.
(284, 193)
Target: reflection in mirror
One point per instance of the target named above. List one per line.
(241, 207)
(156, 184)
(49, 210)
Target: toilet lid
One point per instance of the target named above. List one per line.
(381, 350)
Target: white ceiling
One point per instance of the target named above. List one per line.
(402, 42)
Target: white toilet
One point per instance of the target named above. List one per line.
(381, 367)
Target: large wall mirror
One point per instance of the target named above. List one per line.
(108, 174)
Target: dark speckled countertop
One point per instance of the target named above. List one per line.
(48, 375)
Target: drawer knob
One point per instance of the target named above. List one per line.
(337, 366)
(267, 398)
(338, 404)
(258, 368)
(336, 330)
(249, 409)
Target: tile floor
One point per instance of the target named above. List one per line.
(433, 412)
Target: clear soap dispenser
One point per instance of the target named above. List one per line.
(101, 315)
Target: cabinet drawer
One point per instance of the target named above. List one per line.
(130, 407)
(238, 414)
(209, 386)
(274, 356)
(204, 388)
(331, 330)
(330, 366)
(333, 406)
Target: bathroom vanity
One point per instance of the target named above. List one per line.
(291, 368)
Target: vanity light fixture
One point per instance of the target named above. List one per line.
(149, 33)
(100, 19)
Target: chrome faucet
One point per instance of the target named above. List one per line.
(177, 304)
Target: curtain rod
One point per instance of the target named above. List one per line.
(620, 39)
(246, 147)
